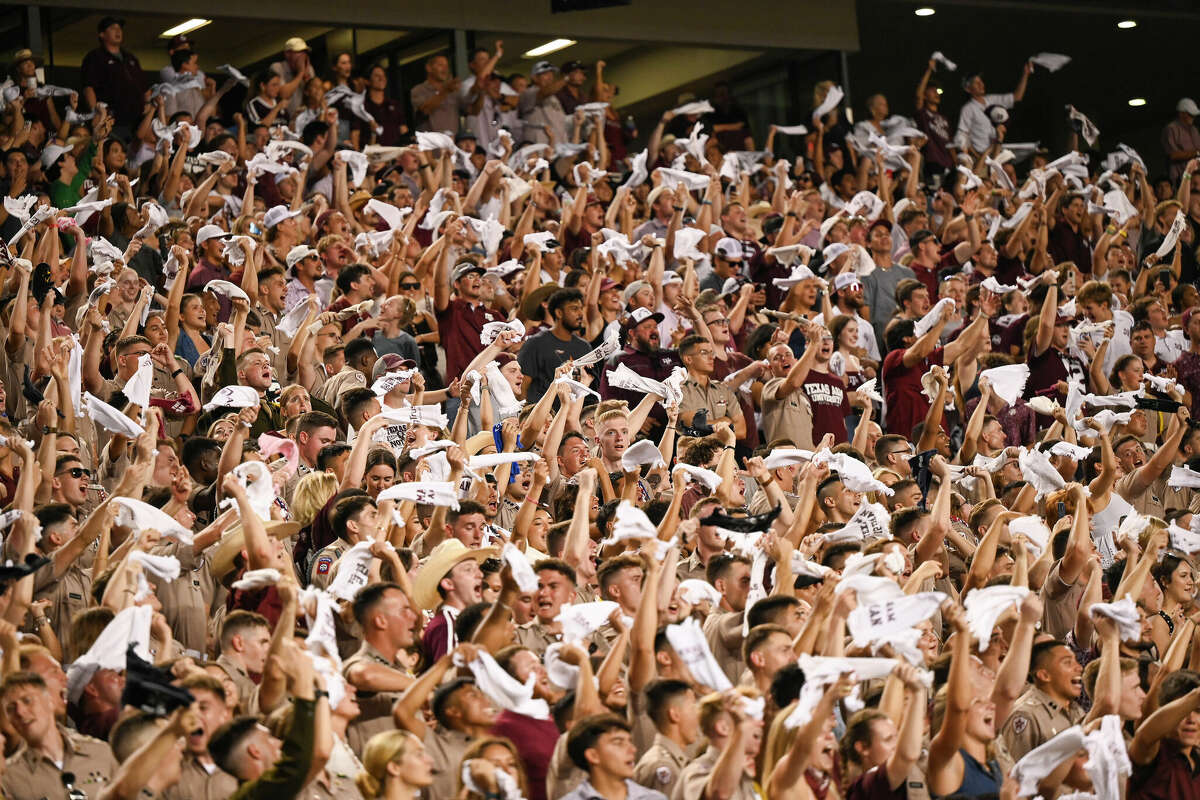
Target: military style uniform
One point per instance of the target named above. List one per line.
(446, 748)
(200, 782)
(30, 775)
(375, 708)
(1035, 720)
(322, 567)
(661, 765)
(247, 688)
(691, 782)
(187, 600)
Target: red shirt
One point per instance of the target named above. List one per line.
(928, 277)
(459, 325)
(906, 405)
(826, 394)
(535, 740)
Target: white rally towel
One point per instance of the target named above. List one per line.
(832, 98)
(984, 607)
(1050, 61)
(503, 689)
(1008, 382)
(137, 388)
(1183, 478)
(1034, 530)
(786, 456)
(870, 522)
(1173, 233)
(855, 475)
(110, 418)
(1042, 760)
(258, 579)
(435, 493)
(641, 453)
(581, 620)
(143, 516)
(696, 591)
(489, 460)
(492, 330)
(926, 323)
(129, 626)
(1125, 614)
(1071, 451)
(882, 621)
(1108, 758)
(351, 571)
(821, 672)
(236, 396)
(689, 644)
(522, 571)
(706, 477)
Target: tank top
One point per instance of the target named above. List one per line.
(978, 780)
(1105, 523)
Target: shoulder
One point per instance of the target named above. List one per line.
(1020, 722)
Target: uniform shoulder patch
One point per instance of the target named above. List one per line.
(663, 775)
(323, 565)
(1020, 723)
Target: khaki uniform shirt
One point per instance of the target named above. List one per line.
(1061, 602)
(1035, 720)
(1150, 503)
(375, 708)
(348, 378)
(661, 766)
(186, 601)
(29, 775)
(197, 783)
(730, 659)
(446, 748)
(247, 688)
(691, 782)
(563, 777)
(715, 396)
(788, 417)
(69, 596)
(691, 568)
(322, 566)
(536, 637)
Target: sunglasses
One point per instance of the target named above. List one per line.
(76, 472)
(408, 286)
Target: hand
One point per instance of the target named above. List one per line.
(953, 613)
(1031, 608)
(457, 458)
(483, 773)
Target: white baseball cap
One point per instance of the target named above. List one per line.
(278, 214)
(210, 231)
(729, 249)
(52, 153)
(299, 253)
(1188, 105)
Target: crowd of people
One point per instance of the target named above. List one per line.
(470, 447)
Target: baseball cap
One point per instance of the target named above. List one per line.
(540, 67)
(210, 231)
(391, 362)
(669, 277)
(466, 268)
(298, 254)
(52, 153)
(295, 45)
(179, 40)
(640, 315)
(571, 66)
(729, 249)
(844, 280)
(1188, 106)
(633, 288)
(277, 214)
(107, 21)
(879, 223)
(609, 283)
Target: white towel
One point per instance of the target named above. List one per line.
(926, 323)
(984, 607)
(696, 591)
(881, 621)
(1125, 614)
(641, 453)
(110, 418)
(522, 570)
(1183, 478)
(351, 571)
(581, 620)
(1172, 236)
(821, 672)
(855, 475)
(689, 644)
(1050, 61)
(234, 397)
(436, 493)
(786, 456)
(1034, 530)
(1008, 382)
(503, 689)
(258, 579)
(832, 98)
(1071, 451)
(130, 626)
(143, 516)
(1108, 758)
(1042, 760)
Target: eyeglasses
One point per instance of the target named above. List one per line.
(409, 286)
(76, 472)
(722, 321)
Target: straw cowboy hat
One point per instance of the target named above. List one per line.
(444, 558)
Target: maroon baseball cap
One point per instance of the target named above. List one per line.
(609, 283)
(390, 362)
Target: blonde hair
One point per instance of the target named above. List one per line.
(312, 493)
(476, 751)
(382, 749)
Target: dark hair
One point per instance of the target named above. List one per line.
(368, 597)
(660, 694)
(720, 564)
(314, 420)
(559, 566)
(1038, 655)
(357, 348)
(561, 297)
(759, 338)
(442, 697)
(786, 685)
(354, 400)
(465, 509)
(346, 508)
(349, 274)
(690, 343)
(194, 448)
(766, 610)
(468, 619)
(897, 331)
(587, 731)
(226, 739)
(53, 514)
(327, 454)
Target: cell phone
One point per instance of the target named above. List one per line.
(1062, 509)
(39, 282)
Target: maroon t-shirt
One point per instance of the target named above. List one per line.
(1052, 366)
(928, 277)
(906, 405)
(459, 325)
(874, 785)
(826, 394)
(1007, 332)
(1187, 371)
(535, 740)
(722, 370)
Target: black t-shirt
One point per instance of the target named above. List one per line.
(542, 354)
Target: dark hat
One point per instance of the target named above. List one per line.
(108, 21)
(571, 66)
(149, 688)
(529, 306)
(772, 223)
(879, 223)
(180, 40)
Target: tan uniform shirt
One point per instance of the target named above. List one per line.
(1061, 602)
(29, 775)
(536, 637)
(661, 766)
(197, 783)
(728, 657)
(787, 417)
(348, 378)
(691, 782)
(186, 601)
(247, 688)
(1150, 503)
(446, 748)
(715, 396)
(375, 708)
(1035, 720)
(562, 776)
(691, 568)
(322, 567)
(68, 595)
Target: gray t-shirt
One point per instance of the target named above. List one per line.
(444, 118)
(537, 111)
(403, 345)
(879, 293)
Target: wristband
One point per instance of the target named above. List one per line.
(47, 430)
(706, 202)
(426, 166)
(764, 484)
(968, 217)
(177, 372)
(677, 208)
(319, 693)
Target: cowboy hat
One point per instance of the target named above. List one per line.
(444, 558)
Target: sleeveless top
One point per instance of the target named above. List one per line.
(978, 780)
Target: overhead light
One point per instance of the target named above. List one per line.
(1126, 24)
(185, 27)
(924, 11)
(1137, 101)
(546, 49)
